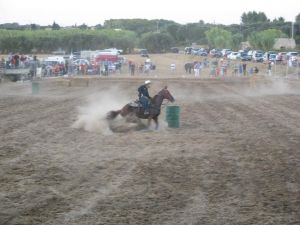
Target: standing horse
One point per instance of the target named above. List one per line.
(138, 111)
(188, 67)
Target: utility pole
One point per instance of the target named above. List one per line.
(292, 30)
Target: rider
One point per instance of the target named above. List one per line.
(144, 95)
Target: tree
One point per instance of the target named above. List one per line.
(33, 26)
(55, 26)
(219, 38)
(237, 38)
(279, 20)
(83, 26)
(254, 17)
(265, 39)
(99, 26)
(172, 29)
(157, 42)
(297, 19)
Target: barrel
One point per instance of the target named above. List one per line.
(35, 87)
(173, 116)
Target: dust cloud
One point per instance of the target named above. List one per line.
(274, 86)
(92, 117)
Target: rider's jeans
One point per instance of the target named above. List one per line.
(145, 102)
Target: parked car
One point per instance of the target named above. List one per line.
(202, 52)
(194, 51)
(226, 52)
(174, 50)
(292, 55)
(253, 52)
(215, 53)
(234, 55)
(188, 50)
(281, 56)
(268, 54)
(245, 57)
(258, 57)
(273, 57)
(144, 53)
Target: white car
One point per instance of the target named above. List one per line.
(234, 55)
(292, 55)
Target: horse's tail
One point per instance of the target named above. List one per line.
(112, 114)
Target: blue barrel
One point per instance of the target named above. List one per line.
(173, 116)
(35, 88)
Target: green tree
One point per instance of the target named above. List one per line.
(83, 27)
(237, 38)
(33, 26)
(157, 42)
(172, 29)
(265, 39)
(254, 17)
(297, 19)
(219, 38)
(48, 40)
(55, 26)
(279, 20)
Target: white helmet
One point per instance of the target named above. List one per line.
(147, 82)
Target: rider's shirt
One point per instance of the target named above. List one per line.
(143, 91)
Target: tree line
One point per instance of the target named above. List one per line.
(155, 35)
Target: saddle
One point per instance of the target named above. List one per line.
(135, 104)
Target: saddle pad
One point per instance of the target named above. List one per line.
(135, 104)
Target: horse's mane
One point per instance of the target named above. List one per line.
(155, 97)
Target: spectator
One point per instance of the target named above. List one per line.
(33, 67)
(197, 68)
(132, 68)
(173, 67)
(270, 68)
(244, 69)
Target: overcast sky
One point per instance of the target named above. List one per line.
(92, 12)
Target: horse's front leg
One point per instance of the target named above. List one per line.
(156, 122)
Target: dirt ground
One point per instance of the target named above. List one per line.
(234, 160)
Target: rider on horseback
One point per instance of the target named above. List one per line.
(144, 95)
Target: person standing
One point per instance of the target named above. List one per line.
(33, 67)
(132, 68)
(197, 68)
(244, 69)
(270, 68)
(173, 67)
(106, 67)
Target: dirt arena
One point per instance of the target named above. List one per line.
(234, 160)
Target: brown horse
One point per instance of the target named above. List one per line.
(137, 110)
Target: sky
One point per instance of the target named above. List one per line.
(92, 12)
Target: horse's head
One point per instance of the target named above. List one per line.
(166, 94)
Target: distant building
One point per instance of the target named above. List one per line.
(280, 44)
(245, 45)
(284, 43)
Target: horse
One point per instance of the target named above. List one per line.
(188, 67)
(135, 109)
